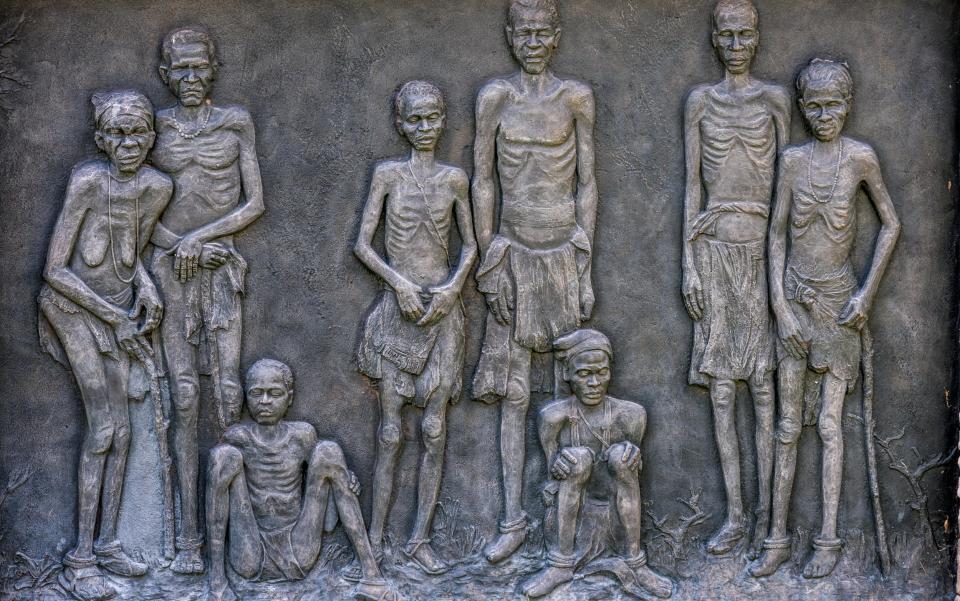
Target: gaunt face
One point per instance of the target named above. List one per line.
(190, 74)
(422, 121)
(589, 375)
(533, 40)
(735, 37)
(126, 138)
(267, 396)
(825, 109)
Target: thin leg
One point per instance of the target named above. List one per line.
(116, 462)
(228, 506)
(389, 444)
(762, 391)
(231, 391)
(777, 546)
(723, 395)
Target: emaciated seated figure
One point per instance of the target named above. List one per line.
(256, 491)
(592, 446)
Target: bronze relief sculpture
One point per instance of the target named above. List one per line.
(821, 308)
(97, 306)
(768, 277)
(210, 154)
(412, 341)
(732, 132)
(535, 138)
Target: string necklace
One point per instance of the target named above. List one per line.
(433, 222)
(836, 176)
(136, 227)
(604, 428)
(197, 131)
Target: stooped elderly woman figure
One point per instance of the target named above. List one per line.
(820, 307)
(96, 307)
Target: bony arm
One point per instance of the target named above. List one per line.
(788, 327)
(489, 102)
(408, 293)
(584, 116)
(691, 287)
(445, 297)
(57, 272)
(857, 309)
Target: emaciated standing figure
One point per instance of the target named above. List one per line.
(534, 136)
(819, 304)
(209, 152)
(413, 337)
(97, 307)
(732, 132)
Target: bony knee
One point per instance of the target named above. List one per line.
(390, 436)
(327, 454)
(121, 437)
(188, 393)
(224, 458)
(99, 440)
(517, 396)
(432, 428)
(617, 462)
(788, 431)
(829, 430)
(584, 461)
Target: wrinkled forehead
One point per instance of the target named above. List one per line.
(735, 19)
(420, 104)
(265, 377)
(824, 88)
(532, 18)
(187, 53)
(124, 118)
(590, 359)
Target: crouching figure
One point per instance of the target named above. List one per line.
(256, 492)
(592, 447)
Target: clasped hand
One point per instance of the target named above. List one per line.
(442, 301)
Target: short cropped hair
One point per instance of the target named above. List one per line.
(547, 6)
(734, 6)
(417, 88)
(822, 70)
(195, 34)
(286, 374)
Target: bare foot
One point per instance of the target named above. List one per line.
(546, 581)
(221, 591)
(726, 538)
(376, 590)
(760, 531)
(424, 557)
(653, 583)
(505, 545)
(824, 558)
(775, 553)
(188, 561)
(85, 581)
(113, 559)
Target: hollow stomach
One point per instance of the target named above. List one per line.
(739, 227)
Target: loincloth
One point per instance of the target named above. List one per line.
(101, 332)
(279, 561)
(428, 358)
(207, 302)
(734, 338)
(817, 303)
(548, 286)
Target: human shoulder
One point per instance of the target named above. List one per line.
(627, 408)
(556, 411)
(778, 95)
(238, 434)
(302, 432)
(860, 151)
(696, 98)
(88, 172)
(155, 179)
(453, 174)
(387, 169)
(577, 92)
(495, 89)
(791, 154)
(233, 116)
